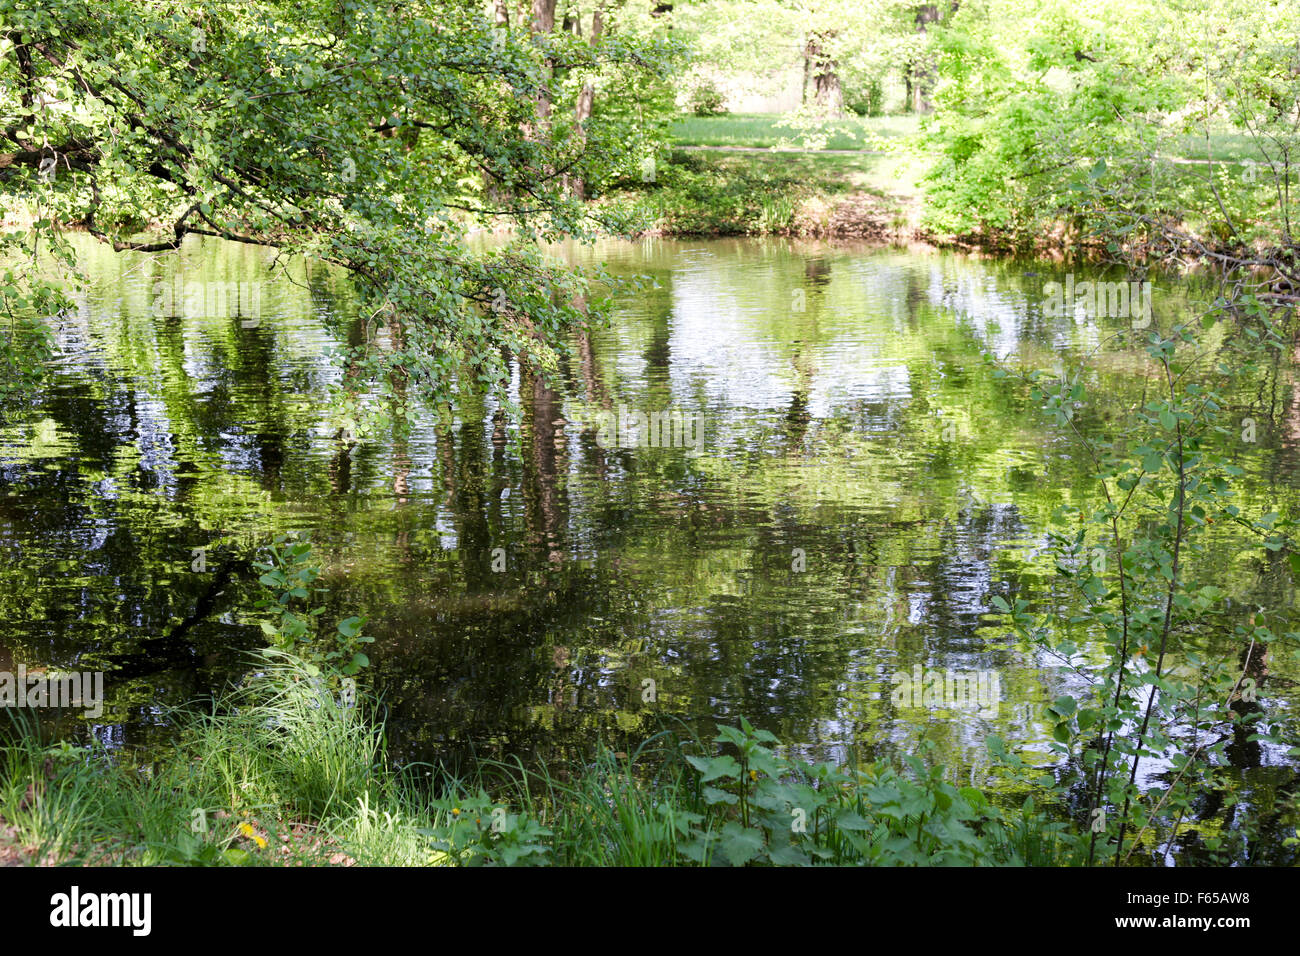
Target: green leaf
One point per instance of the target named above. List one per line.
(848, 820)
(711, 768)
(713, 796)
(740, 844)
(788, 856)
(730, 735)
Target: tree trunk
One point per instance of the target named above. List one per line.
(544, 22)
(586, 100)
(828, 97)
(921, 80)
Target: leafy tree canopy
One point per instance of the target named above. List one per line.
(363, 133)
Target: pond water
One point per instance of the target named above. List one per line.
(846, 488)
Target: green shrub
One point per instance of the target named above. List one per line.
(705, 99)
(867, 99)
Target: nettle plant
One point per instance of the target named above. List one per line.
(763, 807)
(472, 830)
(289, 575)
(1166, 695)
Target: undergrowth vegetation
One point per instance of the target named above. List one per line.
(284, 772)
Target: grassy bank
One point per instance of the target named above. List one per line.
(865, 178)
(286, 771)
(807, 194)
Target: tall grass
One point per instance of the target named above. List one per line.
(286, 735)
(278, 751)
(622, 810)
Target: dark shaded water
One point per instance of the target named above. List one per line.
(858, 489)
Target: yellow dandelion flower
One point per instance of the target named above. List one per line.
(246, 829)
